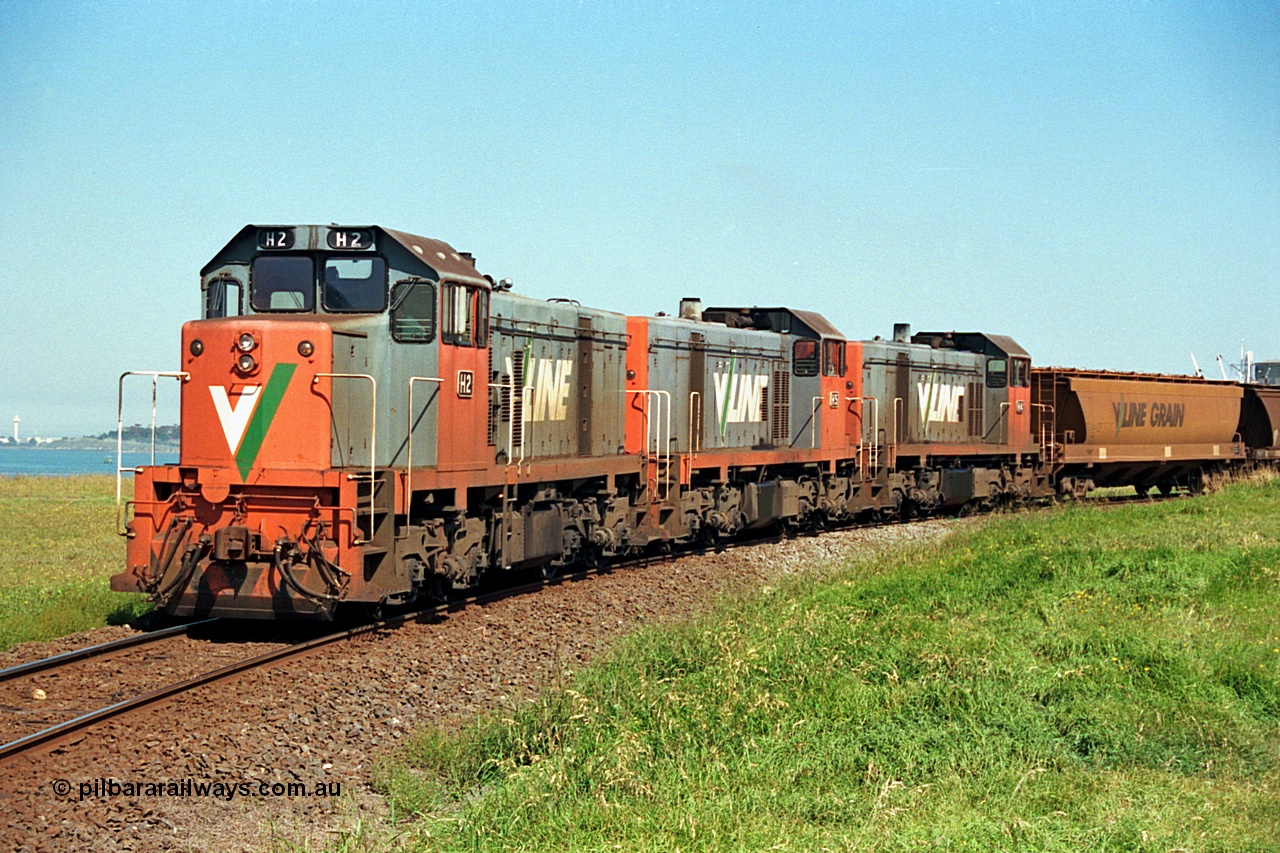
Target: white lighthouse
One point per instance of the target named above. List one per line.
(15, 429)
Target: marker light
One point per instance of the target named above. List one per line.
(246, 342)
(305, 348)
(245, 363)
(197, 346)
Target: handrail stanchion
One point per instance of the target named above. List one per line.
(653, 432)
(664, 451)
(893, 453)
(509, 387)
(408, 465)
(373, 440)
(526, 425)
(1047, 439)
(815, 406)
(875, 434)
(155, 375)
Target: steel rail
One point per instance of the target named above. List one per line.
(17, 747)
(96, 650)
(14, 748)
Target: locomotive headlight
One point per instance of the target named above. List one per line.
(305, 348)
(196, 347)
(246, 343)
(245, 363)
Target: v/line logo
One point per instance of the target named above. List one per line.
(549, 381)
(939, 402)
(245, 423)
(738, 397)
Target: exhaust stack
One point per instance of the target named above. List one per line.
(691, 308)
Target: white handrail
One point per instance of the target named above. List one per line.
(816, 405)
(155, 375)
(653, 425)
(526, 424)
(665, 450)
(875, 433)
(408, 477)
(1046, 438)
(509, 387)
(373, 438)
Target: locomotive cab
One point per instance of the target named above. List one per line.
(284, 499)
(1005, 386)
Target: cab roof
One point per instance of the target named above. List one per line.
(979, 342)
(439, 256)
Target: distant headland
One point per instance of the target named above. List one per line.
(136, 437)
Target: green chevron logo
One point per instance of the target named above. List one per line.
(246, 423)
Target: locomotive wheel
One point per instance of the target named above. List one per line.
(1142, 489)
(1166, 489)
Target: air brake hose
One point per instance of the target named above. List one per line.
(169, 549)
(327, 570)
(286, 574)
(189, 561)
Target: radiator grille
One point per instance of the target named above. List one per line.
(975, 414)
(780, 417)
(495, 402)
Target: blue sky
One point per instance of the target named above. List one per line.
(1099, 180)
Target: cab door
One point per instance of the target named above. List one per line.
(833, 424)
(1019, 402)
(851, 396)
(464, 371)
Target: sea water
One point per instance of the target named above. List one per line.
(44, 461)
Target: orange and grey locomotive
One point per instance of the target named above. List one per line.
(367, 420)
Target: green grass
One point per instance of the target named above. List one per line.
(58, 548)
(1082, 678)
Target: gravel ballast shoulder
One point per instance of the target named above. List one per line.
(329, 717)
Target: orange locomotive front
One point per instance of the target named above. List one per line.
(253, 521)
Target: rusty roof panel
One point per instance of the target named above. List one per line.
(440, 256)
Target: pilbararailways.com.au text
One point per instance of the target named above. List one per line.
(102, 788)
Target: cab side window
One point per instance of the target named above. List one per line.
(997, 373)
(833, 358)
(1021, 375)
(219, 301)
(466, 315)
(413, 311)
(804, 357)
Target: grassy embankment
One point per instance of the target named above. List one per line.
(1082, 678)
(58, 547)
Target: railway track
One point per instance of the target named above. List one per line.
(98, 650)
(52, 735)
(331, 716)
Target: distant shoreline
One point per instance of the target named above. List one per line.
(104, 446)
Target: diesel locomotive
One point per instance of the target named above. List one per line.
(367, 420)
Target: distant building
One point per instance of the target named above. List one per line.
(15, 429)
